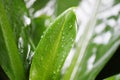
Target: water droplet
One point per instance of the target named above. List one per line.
(41, 37)
(20, 42)
(72, 39)
(47, 22)
(41, 58)
(70, 26)
(54, 72)
(20, 45)
(63, 38)
(28, 53)
(31, 55)
(57, 70)
(62, 46)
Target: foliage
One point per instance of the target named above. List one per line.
(38, 37)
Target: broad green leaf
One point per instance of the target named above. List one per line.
(9, 57)
(16, 13)
(54, 47)
(115, 77)
(62, 5)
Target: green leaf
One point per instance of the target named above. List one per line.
(9, 57)
(39, 27)
(115, 77)
(16, 13)
(62, 5)
(116, 2)
(54, 47)
(38, 4)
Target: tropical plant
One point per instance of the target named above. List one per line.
(57, 39)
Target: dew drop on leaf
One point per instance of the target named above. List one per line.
(41, 37)
(70, 26)
(63, 38)
(41, 58)
(62, 46)
(20, 44)
(57, 70)
(54, 72)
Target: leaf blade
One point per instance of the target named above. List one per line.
(11, 58)
(114, 77)
(50, 49)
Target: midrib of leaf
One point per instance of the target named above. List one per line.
(15, 61)
(55, 48)
(50, 53)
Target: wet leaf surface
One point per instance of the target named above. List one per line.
(54, 47)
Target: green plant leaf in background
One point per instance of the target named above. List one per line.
(9, 57)
(116, 2)
(82, 46)
(54, 47)
(62, 5)
(91, 53)
(39, 27)
(38, 4)
(16, 13)
(115, 77)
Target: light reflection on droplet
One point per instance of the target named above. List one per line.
(70, 26)
(41, 36)
(54, 72)
(20, 44)
(31, 56)
(47, 22)
(28, 53)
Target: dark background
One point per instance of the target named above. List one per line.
(112, 67)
